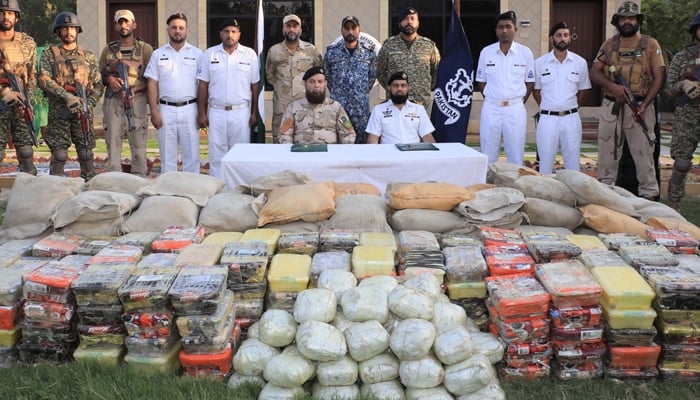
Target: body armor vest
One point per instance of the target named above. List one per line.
(68, 67)
(133, 61)
(12, 51)
(633, 65)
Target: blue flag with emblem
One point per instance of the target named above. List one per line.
(455, 85)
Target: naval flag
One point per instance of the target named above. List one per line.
(258, 132)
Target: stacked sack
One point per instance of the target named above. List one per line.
(401, 341)
(101, 328)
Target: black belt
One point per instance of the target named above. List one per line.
(638, 98)
(559, 113)
(178, 103)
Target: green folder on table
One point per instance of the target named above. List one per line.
(309, 148)
(416, 146)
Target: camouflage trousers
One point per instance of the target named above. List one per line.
(12, 124)
(684, 141)
(63, 129)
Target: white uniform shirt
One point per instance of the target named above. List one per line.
(229, 75)
(406, 125)
(175, 71)
(505, 74)
(559, 82)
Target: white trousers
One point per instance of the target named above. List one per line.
(179, 130)
(226, 128)
(554, 131)
(509, 123)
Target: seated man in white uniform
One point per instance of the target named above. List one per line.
(398, 120)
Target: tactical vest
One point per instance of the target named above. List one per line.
(11, 50)
(134, 61)
(633, 65)
(66, 68)
(692, 69)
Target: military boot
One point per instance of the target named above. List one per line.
(675, 195)
(87, 170)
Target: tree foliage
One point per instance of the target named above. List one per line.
(38, 16)
(668, 20)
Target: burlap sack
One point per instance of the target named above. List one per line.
(650, 209)
(345, 189)
(94, 205)
(480, 186)
(196, 187)
(33, 201)
(429, 195)
(541, 228)
(415, 219)
(159, 212)
(589, 191)
(361, 212)
(504, 173)
(229, 211)
(296, 226)
(311, 202)
(110, 227)
(266, 183)
(116, 182)
(548, 213)
(510, 221)
(546, 188)
(605, 220)
(673, 223)
(492, 204)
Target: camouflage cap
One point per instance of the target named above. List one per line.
(628, 9)
(124, 14)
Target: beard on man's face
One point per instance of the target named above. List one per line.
(398, 98)
(315, 97)
(628, 30)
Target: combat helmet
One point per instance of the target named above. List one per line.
(694, 25)
(66, 19)
(627, 9)
(10, 5)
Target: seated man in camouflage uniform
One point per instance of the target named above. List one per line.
(315, 118)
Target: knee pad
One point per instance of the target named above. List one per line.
(60, 155)
(25, 152)
(682, 165)
(85, 155)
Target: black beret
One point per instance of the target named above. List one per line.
(508, 15)
(407, 11)
(557, 26)
(229, 22)
(397, 76)
(313, 71)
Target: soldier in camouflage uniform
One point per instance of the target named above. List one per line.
(286, 63)
(416, 55)
(316, 119)
(683, 85)
(351, 72)
(60, 69)
(18, 56)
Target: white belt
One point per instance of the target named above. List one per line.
(504, 103)
(229, 107)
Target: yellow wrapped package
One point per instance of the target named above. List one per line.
(628, 319)
(378, 239)
(222, 238)
(372, 261)
(200, 255)
(289, 272)
(466, 290)
(587, 242)
(10, 337)
(270, 236)
(623, 288)
(111, 356)
(168, 363)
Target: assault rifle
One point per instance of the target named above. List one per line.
(631, 102)
(84, 115)
(24, 107)
(127, 95)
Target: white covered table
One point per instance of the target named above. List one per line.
(377, 164)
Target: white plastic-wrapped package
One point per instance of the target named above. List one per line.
(291, 349)
(488, 345)
(254, 330)
(251, 357)
(453, 345)
(337, 281)
(424, 373)
(471, 325)
(319, 341)
(390, 323)
(315, 305)
(364, 304)
(426, 282)
(236, 380)
(469, 375)
(349, 392)
(436, 393)
(366, 340)
(412, 339)
(447, 315)
(273, 392)
(343, 372)
(409, 302)
(390, 390)
(492, 391)
(277, 328)
(383, 282)
(340, 321)
(381, 368)
(288, 370)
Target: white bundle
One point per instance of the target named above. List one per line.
(319, 341)
(288, 370)
(251, 357)
(469, 375)
(453, 345)
(492, 391)
(488, 345)
(342, 372)
(236, 380)
(349, 392)
(337, 281)
(383, 282)
(424, 373)
(340, 321)
(254, 330)
(447, 315)
(364, 304)
(471, 325)
(274, 392)
(426, 282)
(277, 328)
(412, 339)
(381, 368)
(366, 340)
(391, 390)
(292, 349)
(315, 305)
(408, 302)
(436, 393)
(391, 322)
